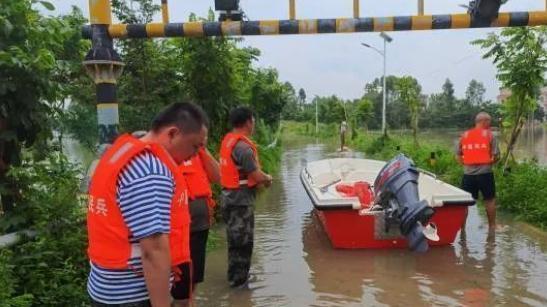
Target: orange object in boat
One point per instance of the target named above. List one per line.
(359, 189)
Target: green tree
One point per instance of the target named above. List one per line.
(521, 60)
(395, 113)
(409, 92)
(331, 109)
(301, 97)
(474, 95)
(363, 112)
(31, 47)
(151, 77)
(293, 110)
(213, 72)
(449, 99)
(268, 96)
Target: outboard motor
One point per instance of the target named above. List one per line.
(396, 192)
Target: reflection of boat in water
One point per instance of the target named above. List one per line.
(444, 276)
(337, 276)
(398, 217)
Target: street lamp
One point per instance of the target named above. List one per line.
(387, 39)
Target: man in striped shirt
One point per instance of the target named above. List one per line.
(145, 190)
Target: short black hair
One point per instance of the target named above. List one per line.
(188, 117)
(239, 116)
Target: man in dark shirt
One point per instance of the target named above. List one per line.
(240, 175)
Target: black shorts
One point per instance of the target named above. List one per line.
(182, 286)
(198, 248)
(483, 183)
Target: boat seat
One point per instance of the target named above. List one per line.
(359, 176)
(324, 179)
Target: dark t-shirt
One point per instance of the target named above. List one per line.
(199, 214)
(243, 157)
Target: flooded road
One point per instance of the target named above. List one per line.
(294, 265)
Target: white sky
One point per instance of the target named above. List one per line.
(337, 64)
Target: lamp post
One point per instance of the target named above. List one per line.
(104, 66)
(387, 39)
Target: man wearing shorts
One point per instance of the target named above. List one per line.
(478, 151)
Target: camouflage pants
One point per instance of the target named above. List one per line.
(239, 231)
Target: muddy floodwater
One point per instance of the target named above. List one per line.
(294, 264)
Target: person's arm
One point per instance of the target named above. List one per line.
(244, 156)
(261, 178)
(210, 164)
(156, 262)
(459, 152)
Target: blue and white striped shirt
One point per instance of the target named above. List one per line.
(145, 188)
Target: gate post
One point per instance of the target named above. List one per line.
(104, 66)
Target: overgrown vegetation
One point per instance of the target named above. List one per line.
(36, 59)
(49, 268)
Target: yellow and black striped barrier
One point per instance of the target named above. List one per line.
(319, 26)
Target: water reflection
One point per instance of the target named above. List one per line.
(533, 144)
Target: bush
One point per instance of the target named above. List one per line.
(52, 266)
(269, 147)
(8, 283)
(80, 121)
(522, 192)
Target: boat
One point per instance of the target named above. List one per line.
(364, 203)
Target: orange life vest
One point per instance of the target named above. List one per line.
(196, 179)
(109, 245)
(230, 177)
(476, 146)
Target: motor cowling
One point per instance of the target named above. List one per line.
(396, 192)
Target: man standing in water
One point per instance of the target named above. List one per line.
(478, 151)
(240, 175)
(343, 130)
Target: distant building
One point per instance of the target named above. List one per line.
(504, 94)
(543, 98)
